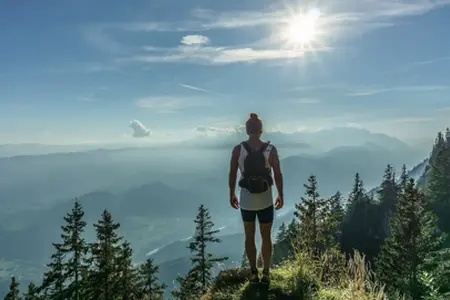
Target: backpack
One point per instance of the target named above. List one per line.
(257, 176)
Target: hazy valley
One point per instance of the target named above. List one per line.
(155, 201)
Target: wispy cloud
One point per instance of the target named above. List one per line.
(412, 119)
(317, 87)
(211, 129)
(198, 89)
(419, 64)
(444, 109)
(87, 98)
(209, 55)
(348, 18)
(306, 101)
(376, 91)
(431, 61)
(170, 104)
(348, 12)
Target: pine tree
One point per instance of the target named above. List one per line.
(126, 288)
(285, 242)
(32, 293)
(311, 214)
(362, 223)
(188, 286)
(75, 247)
(54, 279)
(447, 137)
(14, 293)
(202, 260)
(439, 143)
(151, 289)
(292, 231)
(104, 257)
(281, 246)
(404, 178)
(388, 192)
(334, 217)
(404, 254)
(438, 187)
(282, 232)
(357, 195)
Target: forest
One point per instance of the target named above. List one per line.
(392, 243)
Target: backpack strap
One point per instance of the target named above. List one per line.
(261, 149)
(247, 147)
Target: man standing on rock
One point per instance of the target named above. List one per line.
(255, 159)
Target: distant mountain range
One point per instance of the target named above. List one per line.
(322, 140)
(155, 193)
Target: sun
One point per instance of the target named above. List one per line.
(302, 29)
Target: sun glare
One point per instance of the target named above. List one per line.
(302, 29)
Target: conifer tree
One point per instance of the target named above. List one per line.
(334, 217)
(311, 215)
(188, 286)
(32, 293)
(151, 288)
(202, 260)
(388, 192)
(105, 251)
(284, 249)
(413, 240)
(292, 231)
(75, 247)
(126, 288)
(438, 187)
(54, 279)
(361, 225)
(282, 245)
(282, 232)
(404, 178)
(439, 143)
(14, 293)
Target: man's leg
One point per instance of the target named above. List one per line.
(265, 218)
(250, 244)
(266, 244)
(249, 218)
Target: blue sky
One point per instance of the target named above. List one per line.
(78, 71)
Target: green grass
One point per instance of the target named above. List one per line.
(328, 278)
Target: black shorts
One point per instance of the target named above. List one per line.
(265, 215)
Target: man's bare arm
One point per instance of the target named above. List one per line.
(233, 170)
(278, 176)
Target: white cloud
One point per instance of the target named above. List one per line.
(207, 55)
(211, 129)
(412, 119)
(194, 40)
(444, 109)
(170, 104)
(346, 12)
(139, 130)
(338, 20)
(375, 91)
(198, 89)
(306, 101)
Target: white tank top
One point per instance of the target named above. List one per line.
(247, 200)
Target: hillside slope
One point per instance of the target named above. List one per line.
(302, 279)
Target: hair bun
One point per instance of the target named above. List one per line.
(253, 116)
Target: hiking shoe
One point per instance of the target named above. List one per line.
(265, 277)
(254, 278)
